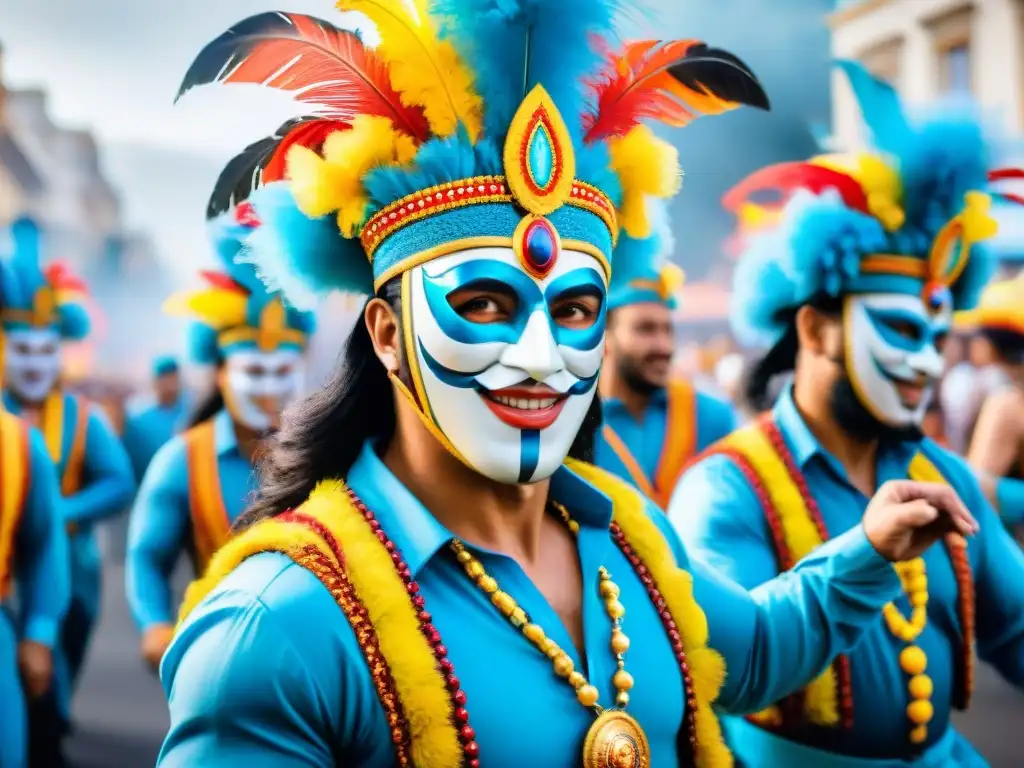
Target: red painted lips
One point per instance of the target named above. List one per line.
(522, 407)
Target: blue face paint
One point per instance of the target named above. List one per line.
(888, 323)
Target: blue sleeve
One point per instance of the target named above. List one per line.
(157, 535)
(1010, 497)
(781, 634)
(270, 678)
(716, 418)
(108, 483)
(42, 569)
(998, 565)
(135, 446)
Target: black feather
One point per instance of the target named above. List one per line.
(722, 74)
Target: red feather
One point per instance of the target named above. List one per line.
(1000, 174)
(222, 281)
(787, 178)
(61, 278)
(316, 61)
(311, 135)
(672, 82)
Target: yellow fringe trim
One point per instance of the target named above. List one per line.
(821, 694)
(707, 667)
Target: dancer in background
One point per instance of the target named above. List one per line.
(199, 482)
(423, 575)
(653, 424)
(996, 448)
(150, 425)
(41, 311)
(855, 291)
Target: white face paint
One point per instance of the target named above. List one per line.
(892, 354)
(507, 382)
(259, 385)
(32, 362)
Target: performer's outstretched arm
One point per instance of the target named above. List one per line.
(157, 535)
(108, 482)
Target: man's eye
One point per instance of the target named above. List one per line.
(480, 305)
(254, 370)
(908, 331)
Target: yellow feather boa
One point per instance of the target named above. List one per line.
(418, 682)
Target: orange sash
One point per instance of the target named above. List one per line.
(211, 525)
(14, 481)
(52, 423)
(678, 447)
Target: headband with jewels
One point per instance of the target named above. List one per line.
(234, 310)
(472, 123)
(909, 215)
(33, 296)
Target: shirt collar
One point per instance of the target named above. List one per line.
(418, 534)
(658, 399)
(224, 438)
(805, 446)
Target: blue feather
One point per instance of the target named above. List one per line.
(202, 344)
(228, 237)
(880, 106)
(74, 321)
(302, 257)
(512, 45)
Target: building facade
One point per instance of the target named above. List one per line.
(931, 49)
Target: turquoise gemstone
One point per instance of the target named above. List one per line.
(541, 157)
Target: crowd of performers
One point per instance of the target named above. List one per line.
(503, 532)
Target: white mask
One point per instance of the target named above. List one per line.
(32, 362)
(258, 386)
(473, 378)
(892, 355)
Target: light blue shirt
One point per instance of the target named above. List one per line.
(147, 429)
(161, 522)
(644, 438)
(723, 524)
(266, 671)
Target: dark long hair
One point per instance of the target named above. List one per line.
(322, 435)
(781, 358)
(207, 407)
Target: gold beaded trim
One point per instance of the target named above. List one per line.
(913, 660)
(466, 192)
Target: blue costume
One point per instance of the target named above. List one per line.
(896, 238)
(679, 421)
(42, 309)
(150, 425)
(200, 481)
(353, 628)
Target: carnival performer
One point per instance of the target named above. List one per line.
(199, 482)
(653, 423)
(998, 436)
(33, 564)
(41, 310)
(424, 573)
(154, 421)
(855, 291)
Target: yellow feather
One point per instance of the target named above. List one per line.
(214, 306)
(647, 167)
(426, 71)
(334, 183)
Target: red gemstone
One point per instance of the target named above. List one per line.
(472, 749)
(540, 246)
(425, 617)
(453, 682)
(440, 650)
(412, 587)
(419, 602)
(674, 635)
(381, 536)
(389, 546)
(404, 572)
(446, 666)
(474, 764)
(459, 699)
(466, 733)
(433, 636)
(396, 558)
(461, 715)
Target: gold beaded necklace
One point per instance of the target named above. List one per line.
(913, 660)
(616, 738)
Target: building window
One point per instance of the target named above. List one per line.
(884, 60)
(951, 33)
(955, 76)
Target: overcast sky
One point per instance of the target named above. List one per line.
(115, 65)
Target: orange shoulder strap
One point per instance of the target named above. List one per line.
(210, 523)
(621, 450)
(71, 482)
(14, 480)
(680, 442)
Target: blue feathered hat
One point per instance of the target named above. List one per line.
(642, 272)
(472, 123)
(38, 297)
(910, 215)
(235, 311)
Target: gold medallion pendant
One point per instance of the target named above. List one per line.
(616, 740)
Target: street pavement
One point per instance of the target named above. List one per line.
(120, 715)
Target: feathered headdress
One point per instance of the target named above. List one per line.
(910, 215)
(473, 122)
(34, 296)
(234, 310)
(644, 271)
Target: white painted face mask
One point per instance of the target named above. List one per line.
(32, 362)
(477, 382)
(892, 354)
(258, 386)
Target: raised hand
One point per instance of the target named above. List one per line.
(906, 517)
